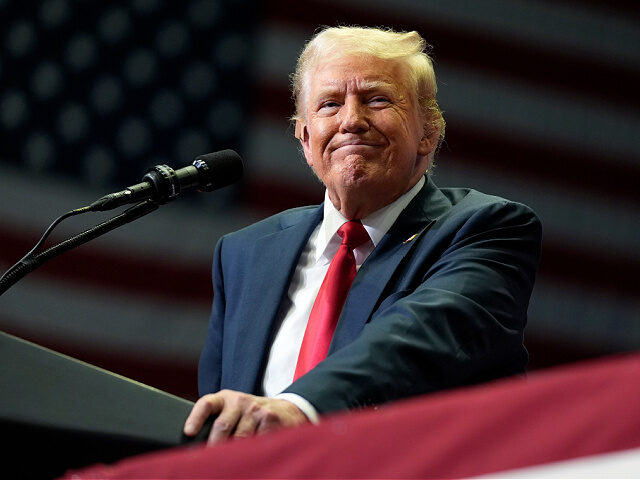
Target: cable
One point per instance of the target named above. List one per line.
(44, 237)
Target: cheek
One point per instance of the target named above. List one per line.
(320, 136)
(394, 126)
(407, 137)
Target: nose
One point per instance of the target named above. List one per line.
(353, 117)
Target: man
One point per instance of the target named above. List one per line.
(444, 276)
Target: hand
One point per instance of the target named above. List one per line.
(241, 415)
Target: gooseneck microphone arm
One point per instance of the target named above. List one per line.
(160, 185)
(30, 262)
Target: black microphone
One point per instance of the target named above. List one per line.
(162, 183)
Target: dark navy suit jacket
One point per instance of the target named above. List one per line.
(441, 301)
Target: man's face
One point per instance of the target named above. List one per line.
(362, 133)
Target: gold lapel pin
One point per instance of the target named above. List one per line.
(410, 238)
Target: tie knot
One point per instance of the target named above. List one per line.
(353, 234)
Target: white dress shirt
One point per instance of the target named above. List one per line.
(305, 284)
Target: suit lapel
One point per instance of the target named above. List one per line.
(275, 257)
(376, 271)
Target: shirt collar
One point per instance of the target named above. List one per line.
(377, 224)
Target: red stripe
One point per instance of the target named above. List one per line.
(543, 163)
(267, 197)
(158, 277)
(590, 269)
(548, 350)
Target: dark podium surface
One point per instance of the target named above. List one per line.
(58, 413)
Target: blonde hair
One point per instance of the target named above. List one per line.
(408, 47)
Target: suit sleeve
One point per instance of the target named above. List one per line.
(461, 322)
(210, 366)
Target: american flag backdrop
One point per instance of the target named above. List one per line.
(541, 102)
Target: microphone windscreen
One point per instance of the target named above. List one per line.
(218, 169)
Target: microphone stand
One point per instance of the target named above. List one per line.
(29, 264)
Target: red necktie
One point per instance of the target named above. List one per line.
(330, 300)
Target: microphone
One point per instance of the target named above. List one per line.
(162, 183)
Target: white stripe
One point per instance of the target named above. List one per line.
(624, 464)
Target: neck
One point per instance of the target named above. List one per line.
(356, 204)
(355, 208)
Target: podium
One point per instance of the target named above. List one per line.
(58, 413)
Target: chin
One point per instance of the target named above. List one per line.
(355, 177)
(356, 169)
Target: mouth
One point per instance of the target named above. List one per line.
(355, 145)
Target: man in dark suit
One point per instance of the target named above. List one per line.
(443, 276)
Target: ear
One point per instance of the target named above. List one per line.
(302, 134)
(429, 140)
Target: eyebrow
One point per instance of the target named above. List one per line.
(365, 85)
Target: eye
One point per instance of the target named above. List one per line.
(378, 100)
(329, 104)
(328, 108)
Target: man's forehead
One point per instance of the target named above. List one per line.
(365, 72)
(362, 83)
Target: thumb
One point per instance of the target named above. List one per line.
(203, 409)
